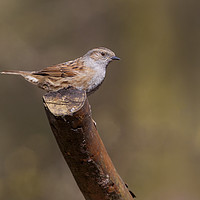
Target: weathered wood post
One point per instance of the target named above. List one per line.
(70, 118)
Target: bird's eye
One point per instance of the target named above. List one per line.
(102, 53)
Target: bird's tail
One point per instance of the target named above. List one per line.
(15, 72)
(29, 76)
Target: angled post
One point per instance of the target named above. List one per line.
(70, 118)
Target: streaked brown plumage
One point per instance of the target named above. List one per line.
(86, 73)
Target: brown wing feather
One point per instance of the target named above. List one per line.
(61, 70)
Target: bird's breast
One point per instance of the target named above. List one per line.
(96, 80)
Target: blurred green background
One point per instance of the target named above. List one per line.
(147, 110)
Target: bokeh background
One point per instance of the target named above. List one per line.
(147, 110)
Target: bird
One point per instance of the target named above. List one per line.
(84, 73)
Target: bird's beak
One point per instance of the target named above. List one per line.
(115, 58)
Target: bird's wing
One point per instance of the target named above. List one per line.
(67, 69)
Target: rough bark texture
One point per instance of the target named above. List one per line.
(70, 118)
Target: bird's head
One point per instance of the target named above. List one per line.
(100, 56)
